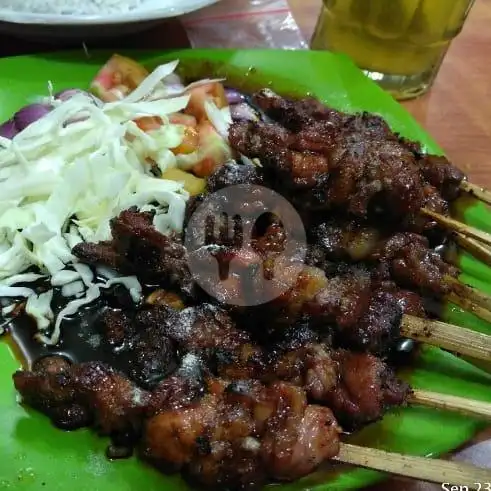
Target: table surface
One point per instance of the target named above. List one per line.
(457, 112)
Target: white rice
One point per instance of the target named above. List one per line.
(71, 7)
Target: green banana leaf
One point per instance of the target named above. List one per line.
(36, 457)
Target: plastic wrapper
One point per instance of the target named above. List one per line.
(244, 24)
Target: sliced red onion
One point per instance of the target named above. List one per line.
(244, 112)
(29, 114)
(8, 129)
(234, 96)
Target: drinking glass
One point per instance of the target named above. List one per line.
(398, 43)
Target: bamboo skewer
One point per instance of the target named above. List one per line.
(460, 227)
(470, 306)
(480, 193)
(468, 292)
(438, 471)
(447, 336)
(473, 246)
(461, 405)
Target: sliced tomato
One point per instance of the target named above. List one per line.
(208, 92)
(117, 78)
(149, 123)
(213, 150)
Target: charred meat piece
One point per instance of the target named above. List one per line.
(309, 113)
(84, 394)
(403, 257)
(49, 388)
(171, 438)
(117, 328)
(335, 378)
(209, 331)
(368, 124)
(377, 330)
(310, 366)
(413, 264)
(116, 403)
(298, 437)
(275, 147)
(357, 172)
(140, 349)
(367, 171)
(146, 252)
(389, 248)
(153, 256)
(361, 165)
(238, 435)
(296, 114)
(152, 357)
(419, 267)
(367, 388)
(346, 240)
(441, 174)
(361, 311)
(102, 253)
(186, 386)
(233, 174)
(344, 299)
(433, 201)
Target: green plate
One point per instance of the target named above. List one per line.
(36, 457)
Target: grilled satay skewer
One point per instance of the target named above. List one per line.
(221, 433)
(408, 255)
(408, 259)
(307, 363)
(311, 283)
(371, 317)
(365, 157)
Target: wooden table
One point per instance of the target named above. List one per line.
(457, 112)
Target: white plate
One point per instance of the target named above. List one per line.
(149, 10)
(26, 24)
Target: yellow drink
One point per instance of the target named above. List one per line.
(399, 43)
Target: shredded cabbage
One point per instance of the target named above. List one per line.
(66, 175)
(15, 291)
(221, 119)
(131, 283)
(93, 292)
(72, 289)
(39, 308)
(64, 277)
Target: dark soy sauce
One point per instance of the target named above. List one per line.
(81, 339)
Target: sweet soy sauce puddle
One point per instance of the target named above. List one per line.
(81, 339)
